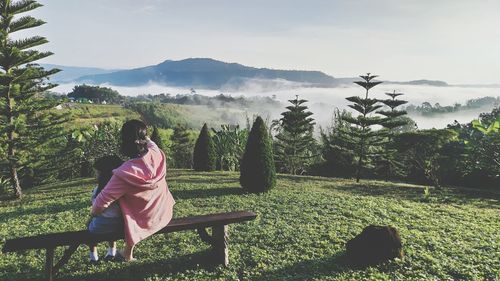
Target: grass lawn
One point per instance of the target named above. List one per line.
(299, 234)
(90, 114)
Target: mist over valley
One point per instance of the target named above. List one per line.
(322, 101)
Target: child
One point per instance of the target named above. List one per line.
(110, 220)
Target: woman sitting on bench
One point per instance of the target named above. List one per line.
(139, 186)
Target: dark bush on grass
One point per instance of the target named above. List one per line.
(204, 152)
(375, 244)
(257, 170)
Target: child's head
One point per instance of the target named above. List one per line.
(104, 167)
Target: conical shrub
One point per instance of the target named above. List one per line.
(156, 138)
(204, 151)
(257, 170)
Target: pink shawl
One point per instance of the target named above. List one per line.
(140, 187)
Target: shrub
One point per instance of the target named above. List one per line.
(182, 147)
(204, 151)
(229, 143)
(156, 138)
(257, 171)
(295, 147)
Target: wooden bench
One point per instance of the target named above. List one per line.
(218, 240)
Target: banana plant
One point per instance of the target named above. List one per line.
(487, 130)
(488, 146)
(229, 144)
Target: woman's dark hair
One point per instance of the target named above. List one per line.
(134, 142)
(105, 165)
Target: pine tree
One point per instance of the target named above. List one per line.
(182, 147)
(391, 123)
(363, 139)
(393, 115)
(156, 138)
(204, 151)
(257, 170)
(25, 119)
(337, 153)
(294, 142)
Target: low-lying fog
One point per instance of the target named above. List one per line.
(322, 101)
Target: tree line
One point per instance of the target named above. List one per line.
(376, 140)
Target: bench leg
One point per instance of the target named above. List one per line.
(220, 244)
(49, 264)
(64, 259)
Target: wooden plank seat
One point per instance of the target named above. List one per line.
(218, 240)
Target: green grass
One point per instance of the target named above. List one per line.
(90, 114)
(300, 232)
(192, 115)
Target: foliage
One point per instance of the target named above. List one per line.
(427, 109)
(493, 128)
(299, 234)
(364, 140)
(422, 151)
(156, 138)
(4, 185)
(95, 93)
(84, 115)
(393, 116)
(84, 146)
(338, 161)
(485, 147)
(182, 147)
(25, 119)
(204, 151)
(474, 156)
(295, 146)
(257, 172)
(166, 115)
(159, 115)
(489, 117)
(388, 165)
(426, 196)
(220, 100)
(229, 143)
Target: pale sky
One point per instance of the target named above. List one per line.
(457, 41)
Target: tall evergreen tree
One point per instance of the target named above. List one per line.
(394, 120)
(393, 116)
(25, 119)
(182, 147)
(204, 151)
(257, 170)
(338, 158)
(156, 138)
(363, 139)
(295, 145)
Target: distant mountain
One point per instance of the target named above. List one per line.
(349, 80)
(71, 73)
(435, 83)
(211, 74)
(477, 85)
(205, 73)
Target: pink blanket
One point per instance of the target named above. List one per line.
(140, 187)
